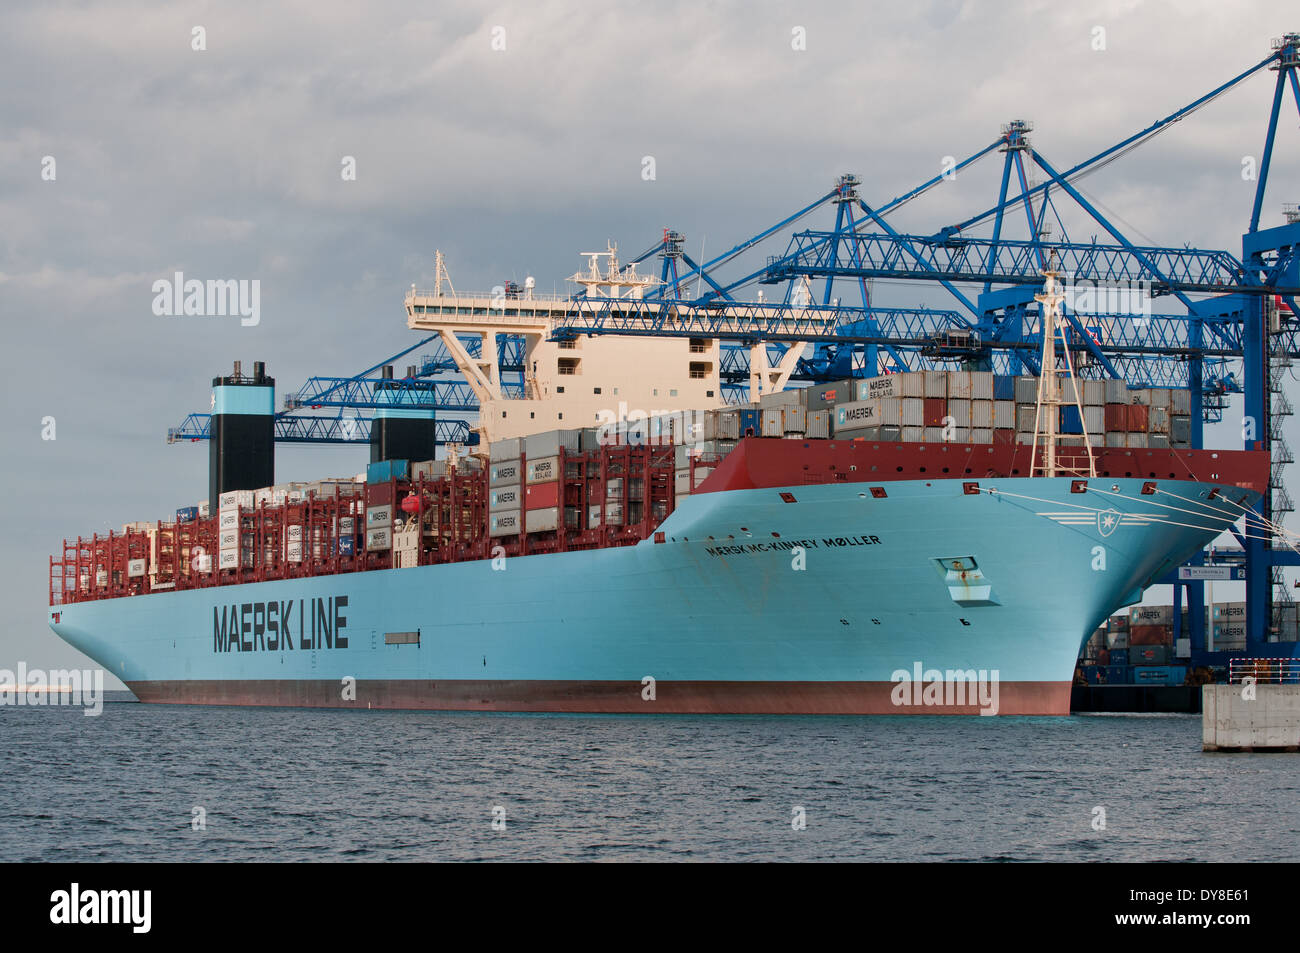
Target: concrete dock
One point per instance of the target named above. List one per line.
(1250, 717)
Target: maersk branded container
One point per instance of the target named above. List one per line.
(504, 523)
(890, 385)
(544, 470)
(1229, 612)
(858, 414)
(1151, 615)
(503, 474)
(505, 498)
(379, 539)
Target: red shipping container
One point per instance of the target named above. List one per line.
(542, 496)
(379, 494)
(1137, 418)
(1151, 635)
(1117, 418)
(1003, 437)
(936, 408)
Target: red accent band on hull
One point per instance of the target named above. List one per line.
(717, 698)
(770, 462)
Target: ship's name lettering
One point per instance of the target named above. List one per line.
(273, 626)
(785, 545)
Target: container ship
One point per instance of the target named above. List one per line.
(871, 546)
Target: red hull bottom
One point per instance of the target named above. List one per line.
(712, 698)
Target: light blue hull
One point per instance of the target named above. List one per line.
(724, 599)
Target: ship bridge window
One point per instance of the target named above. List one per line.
(569, 365)
(699, 345)
(700, 369)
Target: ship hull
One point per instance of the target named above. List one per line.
(817, 599)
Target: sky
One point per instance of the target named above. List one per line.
(138, 140)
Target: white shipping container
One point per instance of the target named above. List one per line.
(981, 385)
(796, 420)
(346, 526)
(378, 517)
(228, 559)
(1025, 439)
(959, 410)
(1117, 392)
(936, 383)
(503, 450)
(681, 486)
(819, 424)
(959, 386)
(934, 435)
(981, 415)
(1157, 396)
(295, 534)
(548, 444)
(1025, 415)
(911, 384)
(1135, 441)
(1094, 419)
(773, 423)
(911, 413)
(228, 519)
(544, 470)
(1115, 439)
(205, 511)
(235, 498)
(293, 552)
(1004, 414)
(543, 520)
(1094, 393)
(200, 563)
(961, 435)
(379, 539)
(1180, 401)
(981, 435)
(505, 498)
(913, 434)
(135, 568)
(228, 539)
(1158, 420)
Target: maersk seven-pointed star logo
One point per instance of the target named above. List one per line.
(1107, 520)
